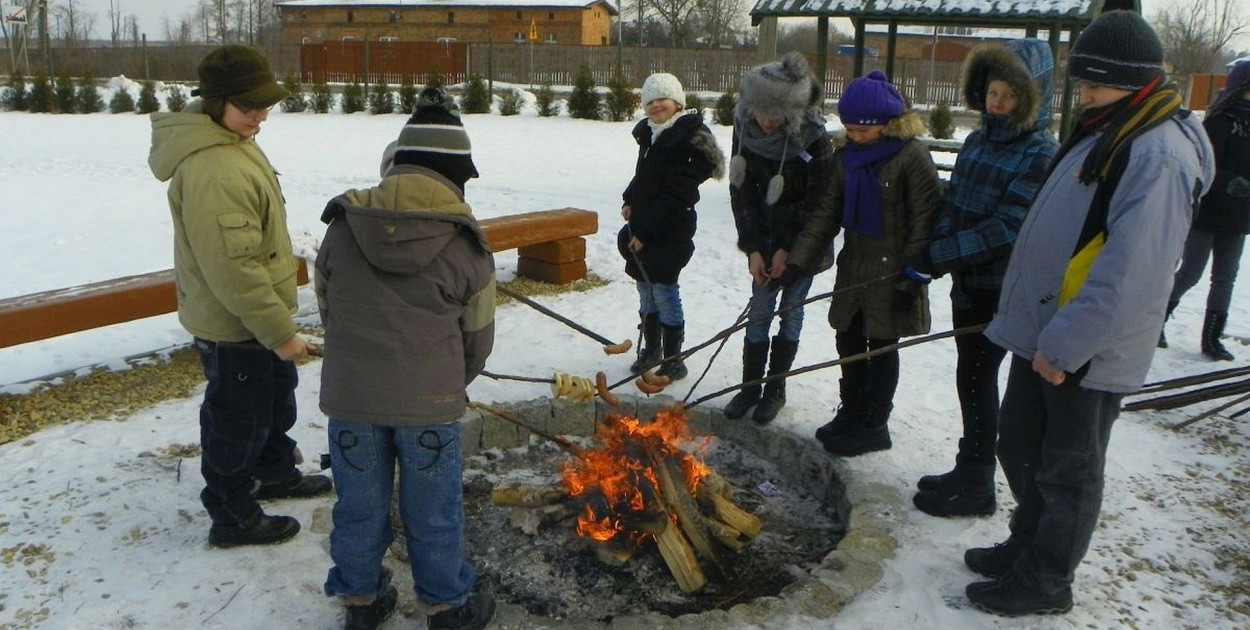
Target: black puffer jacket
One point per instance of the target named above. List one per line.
(1229, 132)
(663, 193)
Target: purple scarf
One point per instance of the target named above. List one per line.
(861, 206)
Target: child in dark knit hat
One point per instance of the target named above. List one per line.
(884, 194)
(676, 153)
(1223, 218)
(1000, 167)
(235, 272)
(1082, 303)
(778, 176)
(406, 286)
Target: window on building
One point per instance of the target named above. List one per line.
(451, 17)
(305, 40)
(388, 38)
(549, 38)
(551, 15)
(351, 17)
(518, 37)
(349, 38)
(394, 17)
(303, 16)
(518, 15)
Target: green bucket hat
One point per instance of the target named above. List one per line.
(239, 74)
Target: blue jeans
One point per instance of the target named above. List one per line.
(1224, 249)
(764, 302)
(664, 299)
(249, 405)
(431, 503)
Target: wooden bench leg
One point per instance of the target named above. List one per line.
(556, 262)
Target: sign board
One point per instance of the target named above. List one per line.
(533, 36)
(14, 13)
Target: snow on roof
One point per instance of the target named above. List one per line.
(493, 4)
(1026, 9)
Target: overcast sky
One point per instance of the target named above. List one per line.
(152, 13)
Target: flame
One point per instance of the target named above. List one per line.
(617, 484)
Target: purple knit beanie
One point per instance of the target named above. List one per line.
(870, 100)
(1238, 82)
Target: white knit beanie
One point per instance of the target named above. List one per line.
(663, 85)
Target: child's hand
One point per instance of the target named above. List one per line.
(626, 210)
(635, 245)
(780, 257)
(755, 266)
(292, 349)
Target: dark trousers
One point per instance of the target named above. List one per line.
(249, 405)
(976, 379)
(1224, 249)
(1053, 447)
(877, 376)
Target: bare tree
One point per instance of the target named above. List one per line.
(803, 37)
(720, 19)
(116, 22)
(74, 25)
(1195, 33)
(679, 15)
(130, 30)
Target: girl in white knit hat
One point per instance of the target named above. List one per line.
(676, 153)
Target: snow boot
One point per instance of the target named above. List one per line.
(673, 338)
(1163, 340)
(754, 356)
(300, 486)
(369, 616)
(851, 386)
(261, 530)
(996, 561)
(649, 353)
(1008, 597)
(971, 494)
(774, 397)
(474, 614)
(935, 482)
(1212, 330)
(865, 434)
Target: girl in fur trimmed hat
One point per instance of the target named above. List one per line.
(676, 153)
(997, 175)
(780, 172)
(884, 192)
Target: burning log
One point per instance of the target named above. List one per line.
(730, 514)
(679, 558)
(682, 505)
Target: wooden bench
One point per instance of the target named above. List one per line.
(550, 244)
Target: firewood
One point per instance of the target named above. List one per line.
(613, 556)
(679, 558)
(729, 513)
(527, 495)
(530, 520)
(724, 534)
(716, 483)
(682, 505)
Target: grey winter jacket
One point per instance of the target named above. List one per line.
(1113, 322)
(406, 286)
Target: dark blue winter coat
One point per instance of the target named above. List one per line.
(998, 171)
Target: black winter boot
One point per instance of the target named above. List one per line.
(298, 487)
(1163, 340)
(649, 353)
(851, 388)
(972, 493)
(1212, 330)
(867, 433)
(370, 616)
(774, 397)
(754, 358)
(673, 338)
(935, 482)
(474, 614)
(262, 530)
(996, 561)
(1008, 597)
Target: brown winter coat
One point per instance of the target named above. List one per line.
(910, 191)
(406, 287)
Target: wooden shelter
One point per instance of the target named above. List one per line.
(1034, 16)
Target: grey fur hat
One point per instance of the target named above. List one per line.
(780, 90)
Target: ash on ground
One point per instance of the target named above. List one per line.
(557, 574)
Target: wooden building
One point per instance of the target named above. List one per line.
(581, 22)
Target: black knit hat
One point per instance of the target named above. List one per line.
(240, 74)
(435, 138)
(1118, 50)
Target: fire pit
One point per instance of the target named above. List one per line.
(566, 557)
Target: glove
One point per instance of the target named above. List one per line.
(1238, 187)
(903, 301)
(922, 263)
(916, 276)
(789, 276)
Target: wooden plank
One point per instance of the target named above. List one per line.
(531, 228)
(550, 273)
(561, 251)
(63, 311)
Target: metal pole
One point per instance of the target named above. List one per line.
(620, 33)
(147, 66)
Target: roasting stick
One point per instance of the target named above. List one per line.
(743, 324)
(967, 330)
(609, 346)
(568, 446)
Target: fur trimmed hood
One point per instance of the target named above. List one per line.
(1026, 65)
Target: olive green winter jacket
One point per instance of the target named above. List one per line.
(233, 262)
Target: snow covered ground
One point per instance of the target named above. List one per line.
(100, 523)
